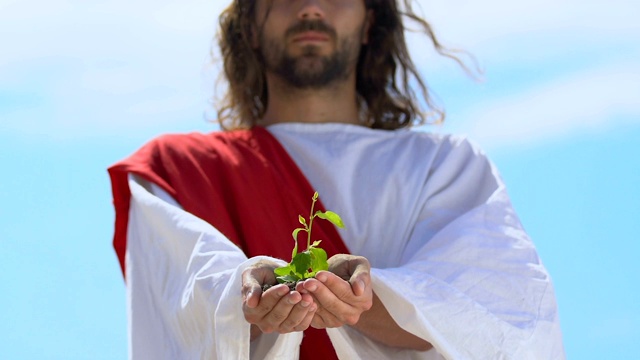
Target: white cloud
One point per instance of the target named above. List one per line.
(593, 43)
(499, 33)
(99, 67)
(589, 101)
(472, 22)
(194, 18)
(96, 67)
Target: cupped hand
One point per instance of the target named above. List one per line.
(343, 293)
(276, 310)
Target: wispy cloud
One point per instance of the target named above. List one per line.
(476, 23)
(554, 69)
(538, 33)
(73, 69)
(586, 102)
(96, 68)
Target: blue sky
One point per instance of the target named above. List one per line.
(85, 83)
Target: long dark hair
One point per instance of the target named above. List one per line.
(384, 70)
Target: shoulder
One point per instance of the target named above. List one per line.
(460, 165)
(171, 150)
(451, 158)
(445, 142)
(438, 148)
(196, 141)
(196, 144)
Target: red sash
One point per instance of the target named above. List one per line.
(244, 184)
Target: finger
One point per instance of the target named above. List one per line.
(299, 312)
(339, 287)
(266, 303)
(306, 322)
(324, 319)
(300, 287)
(331, 299)
(273, 320)
(317, 322)
(252, 298)
(251, 290)
(272, 297)
(252, 280)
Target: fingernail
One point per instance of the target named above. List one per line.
(291, 301)
(361, 284)
(311, 287)
(321, 277)
(283, 291)
(305, 304)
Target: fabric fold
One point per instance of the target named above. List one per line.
(184, 281)
(450, 259)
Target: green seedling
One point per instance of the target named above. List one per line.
(306, 264)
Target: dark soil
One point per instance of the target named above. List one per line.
(291, 285)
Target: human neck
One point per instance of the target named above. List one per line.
(336, 103)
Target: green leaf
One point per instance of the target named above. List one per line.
(306, 264)
(295, 239)
(331, 216)
(310, 274)
(301, 263)
(318, 259)
(285, 270)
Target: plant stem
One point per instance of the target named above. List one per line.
(313, 203)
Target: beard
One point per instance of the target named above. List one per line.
(310, 69)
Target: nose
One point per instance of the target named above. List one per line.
(311, 10)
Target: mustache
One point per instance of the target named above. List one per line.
(311, 25)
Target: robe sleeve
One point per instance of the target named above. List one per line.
(471, 282)
(183, 288)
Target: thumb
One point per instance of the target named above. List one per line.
(252, 298)
(360, 278)
(251, 290)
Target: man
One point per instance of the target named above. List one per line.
(433, 262)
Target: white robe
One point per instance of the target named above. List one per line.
(450, 259)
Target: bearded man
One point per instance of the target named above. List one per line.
(433, 262)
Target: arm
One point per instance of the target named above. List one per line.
(461, 274)
(472, 283)
(168, 278)
(345, 298)
(465, 296)
(378, 325)
(183, 281)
